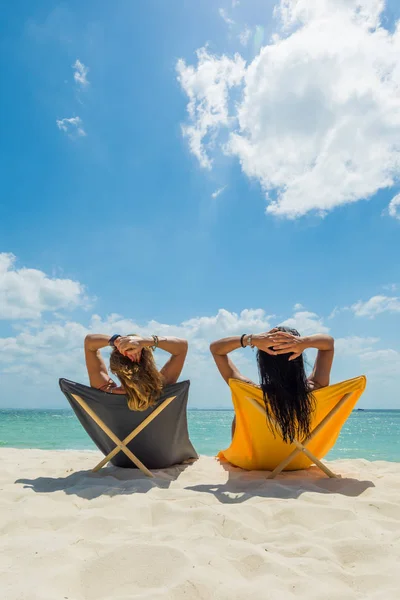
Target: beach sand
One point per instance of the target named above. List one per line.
(196, 532)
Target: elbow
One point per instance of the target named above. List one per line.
(213, 348)
(329, 343)
(87, 342)
(183, 346)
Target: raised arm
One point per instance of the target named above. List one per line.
(288, 343)
(175, 346)
(220, 350)
(96, 367)
(325, 344)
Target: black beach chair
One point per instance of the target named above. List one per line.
(130, 438)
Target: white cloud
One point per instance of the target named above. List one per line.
(376, 305)
(73, 126)
(360, 355)
(244, 36)
(207, 87)
(355, 345)
(318, 119)
(382, 363)
(298, 307)
(306, 323)
(365, 13)
(27, 293)
(38, 356)
(225, 17)
(218, 192)
(394, 207)
(80, 73)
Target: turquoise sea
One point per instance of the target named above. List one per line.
(370, 434)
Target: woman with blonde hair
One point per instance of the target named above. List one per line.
(132, 361)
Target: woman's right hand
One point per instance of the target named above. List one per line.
(130, 345)
(265, 341)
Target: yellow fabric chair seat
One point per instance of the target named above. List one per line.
(256, 447)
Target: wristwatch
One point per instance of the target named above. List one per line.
(249, 340)
(111, 341)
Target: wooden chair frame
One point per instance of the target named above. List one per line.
(122, 445)
(301, 446)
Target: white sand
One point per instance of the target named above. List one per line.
(199, 532)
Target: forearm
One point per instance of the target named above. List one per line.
(173, 345)
(320, 341)
(225, 345)
(96, 341)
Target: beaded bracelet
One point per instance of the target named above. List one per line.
(155, 338)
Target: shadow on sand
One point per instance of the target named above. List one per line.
(240, 486)
(110, 481)
(243, 485)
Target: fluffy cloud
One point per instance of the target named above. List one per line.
(38, 356)
(207, 87)
(317, 122)
(382, 363)
(365, 13)
(306, 322)
(394, 207)
(27, 293)
(376, 305)
(73, 126)
(355, 345)
(80, 73)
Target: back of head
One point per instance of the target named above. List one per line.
(141, 380)
(286, 394)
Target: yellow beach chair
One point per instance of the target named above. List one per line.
(256, 447)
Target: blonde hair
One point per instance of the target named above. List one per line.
(142, 381)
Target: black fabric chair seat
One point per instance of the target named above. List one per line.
(162, 443)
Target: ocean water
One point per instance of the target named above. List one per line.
(370, 434)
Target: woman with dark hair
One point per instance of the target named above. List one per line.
(132, 361)
(287, 391)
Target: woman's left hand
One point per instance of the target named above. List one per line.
(130, 345)
(286, 343)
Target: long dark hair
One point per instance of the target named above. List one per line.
(286, 394)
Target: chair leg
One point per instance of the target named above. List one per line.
(319, 464)
(130, 455)
(120, 445)
(301, 446)
(134, 433)
(283, 464)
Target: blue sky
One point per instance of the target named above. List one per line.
(115, 211)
